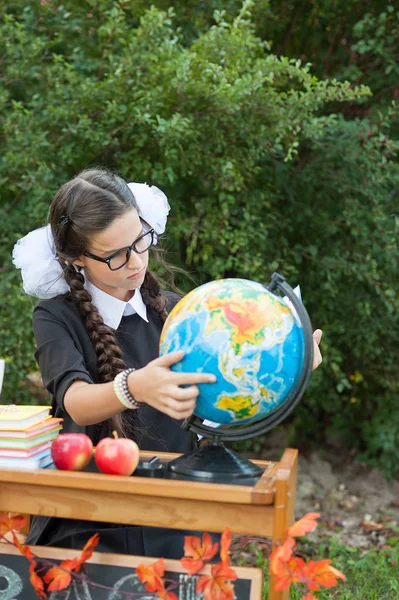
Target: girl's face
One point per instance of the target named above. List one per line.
(121, 233)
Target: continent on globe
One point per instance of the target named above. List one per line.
(241, 406)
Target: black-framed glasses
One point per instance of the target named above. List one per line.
(119, 258)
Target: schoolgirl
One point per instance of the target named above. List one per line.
(97, 337)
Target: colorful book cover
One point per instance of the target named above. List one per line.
(26, 444)
(32, 452)
(48, 424)
(40, 461)
(19, 417)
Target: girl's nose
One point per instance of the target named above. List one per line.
(135, 262)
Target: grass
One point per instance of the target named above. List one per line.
(370, 575)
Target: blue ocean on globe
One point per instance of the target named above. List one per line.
(248, 337)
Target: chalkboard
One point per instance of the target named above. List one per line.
(115, 571)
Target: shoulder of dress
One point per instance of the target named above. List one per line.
(172, 298)
(58, 306)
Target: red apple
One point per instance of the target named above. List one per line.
(116, 456)
(71, 451)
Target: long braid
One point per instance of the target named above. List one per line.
(109, 355)
(151, 293)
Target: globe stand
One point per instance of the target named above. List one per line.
(215, 462)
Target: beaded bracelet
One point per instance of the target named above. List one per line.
(122, 391)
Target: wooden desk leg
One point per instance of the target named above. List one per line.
(284, 505)
(25, 530)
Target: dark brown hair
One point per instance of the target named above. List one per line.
(82, 207)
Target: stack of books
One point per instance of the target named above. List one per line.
(26, 434)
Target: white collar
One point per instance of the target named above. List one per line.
(112, 309)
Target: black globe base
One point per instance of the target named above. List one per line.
(214, 463)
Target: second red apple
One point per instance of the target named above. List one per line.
(117, 456)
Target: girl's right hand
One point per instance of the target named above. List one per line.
(157, 385)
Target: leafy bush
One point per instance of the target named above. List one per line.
(261, 172)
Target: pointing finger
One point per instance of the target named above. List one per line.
(193, 378)
(169, 359)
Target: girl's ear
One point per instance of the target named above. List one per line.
(80, 262)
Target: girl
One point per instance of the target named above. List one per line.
(108, 317)
(97, 337)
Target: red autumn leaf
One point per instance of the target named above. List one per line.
(225, 543)
(11, 523)
(167, 595)
(25, 550)
(282, 553)
(18, 522)
(72, 564)
(217, 586)
(304, 525)
(88, 549)
(321, 573)
(152, 575)
(18, 544)
(289, 572)
(36, 581)
(196, 553)
(57, 578)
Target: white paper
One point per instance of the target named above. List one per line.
(210, 423)
(2, 367)
(297, 292)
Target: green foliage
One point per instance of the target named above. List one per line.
(353, 248)
(262, 170)
(347, 40)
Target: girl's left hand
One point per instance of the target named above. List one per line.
(317, 357)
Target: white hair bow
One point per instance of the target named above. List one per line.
(153, 205)
(35, 254)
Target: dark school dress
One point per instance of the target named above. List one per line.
(64, 354)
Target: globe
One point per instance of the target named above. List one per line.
(248, 337)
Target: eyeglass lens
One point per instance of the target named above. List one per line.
(142, 244)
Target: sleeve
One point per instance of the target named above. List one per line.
(173, 299)
(60, 361)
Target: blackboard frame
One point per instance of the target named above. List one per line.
(252, 574)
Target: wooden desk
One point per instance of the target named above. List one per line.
(266, 509)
